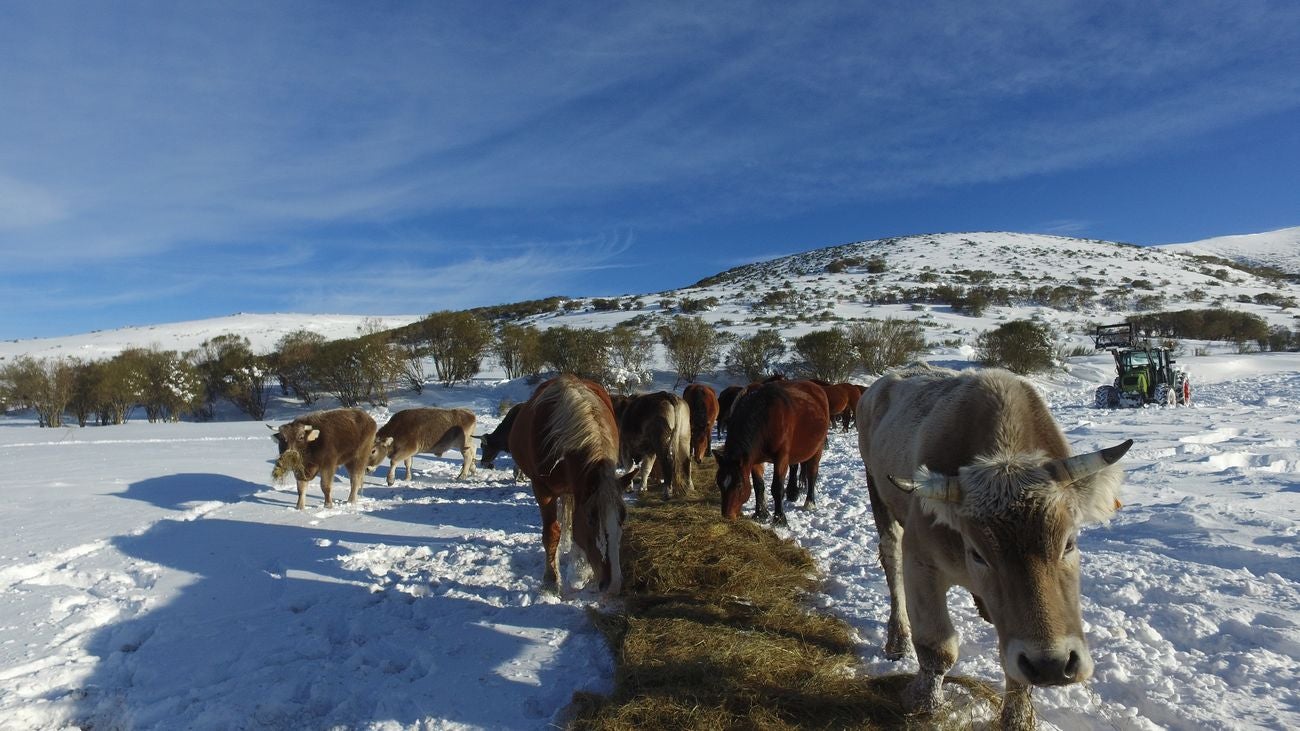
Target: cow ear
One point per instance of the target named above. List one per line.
(268, 426)
(313, 435)
(388, 441)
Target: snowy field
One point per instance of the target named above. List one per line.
(153, 577)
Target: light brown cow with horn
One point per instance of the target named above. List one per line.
(972, 484)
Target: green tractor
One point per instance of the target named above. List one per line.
(1147, 374)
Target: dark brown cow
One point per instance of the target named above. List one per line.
(566, 441)
(499, 440)
(784, 423)
(317, 443)
(433, 430)
(655, 429)
(972, 484)
(703, 403)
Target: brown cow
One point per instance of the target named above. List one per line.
(703, 403)
(972, 484)
(317, 443)
(427, 429)
(655, 428)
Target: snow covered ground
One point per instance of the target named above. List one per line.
(153, 577)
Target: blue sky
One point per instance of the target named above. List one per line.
(174, 161)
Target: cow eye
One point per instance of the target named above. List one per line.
(977, 558)
(1071, 545)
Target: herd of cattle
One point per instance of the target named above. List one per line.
(971, 463)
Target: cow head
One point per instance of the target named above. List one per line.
(382, 449)
(1019, 518)
(733, 482)
(293, 440)
(492, 447)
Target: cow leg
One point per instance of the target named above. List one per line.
(899, 633)
(779, 471)
(392, 469)
(302, 494)
(1017, 709)
(760, 493)
(550, 542)
(327, 482)
(935, 639)
(467, 459)
(410, 462)
(357, 476)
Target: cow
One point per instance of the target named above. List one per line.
(498, 440)
(657, 427)
(972, 484)
(426, 429)
(703, 403)
(317, 443)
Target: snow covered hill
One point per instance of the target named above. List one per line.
(1278, 249)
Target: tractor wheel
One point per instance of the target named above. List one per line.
(1106, 397)
(1166, 395)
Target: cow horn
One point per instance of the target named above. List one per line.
(1073, 469)
(932, 485)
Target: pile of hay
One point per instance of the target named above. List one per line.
(716, 634)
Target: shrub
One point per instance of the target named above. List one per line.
(697, 304)
(456, 342)
(583, 352)
(877, 265)
(692, 346)
(825, 354)
(518, 348)
(629, 358)
(757, 356)
(292, 364)
(883, 344)
(45, 386)
(1020, 346)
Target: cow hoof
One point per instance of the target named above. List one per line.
(762, 517)
(808, 506)
(780, 521)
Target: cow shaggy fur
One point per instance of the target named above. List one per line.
(317, 443)
(972, 484)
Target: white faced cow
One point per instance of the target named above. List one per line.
(972, 484)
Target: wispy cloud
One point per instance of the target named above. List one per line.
(146, 131)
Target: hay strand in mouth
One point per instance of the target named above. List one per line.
(290, 462)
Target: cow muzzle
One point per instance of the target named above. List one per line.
(1064, 663)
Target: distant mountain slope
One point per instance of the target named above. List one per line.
(262, 331)
(1277, 249)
